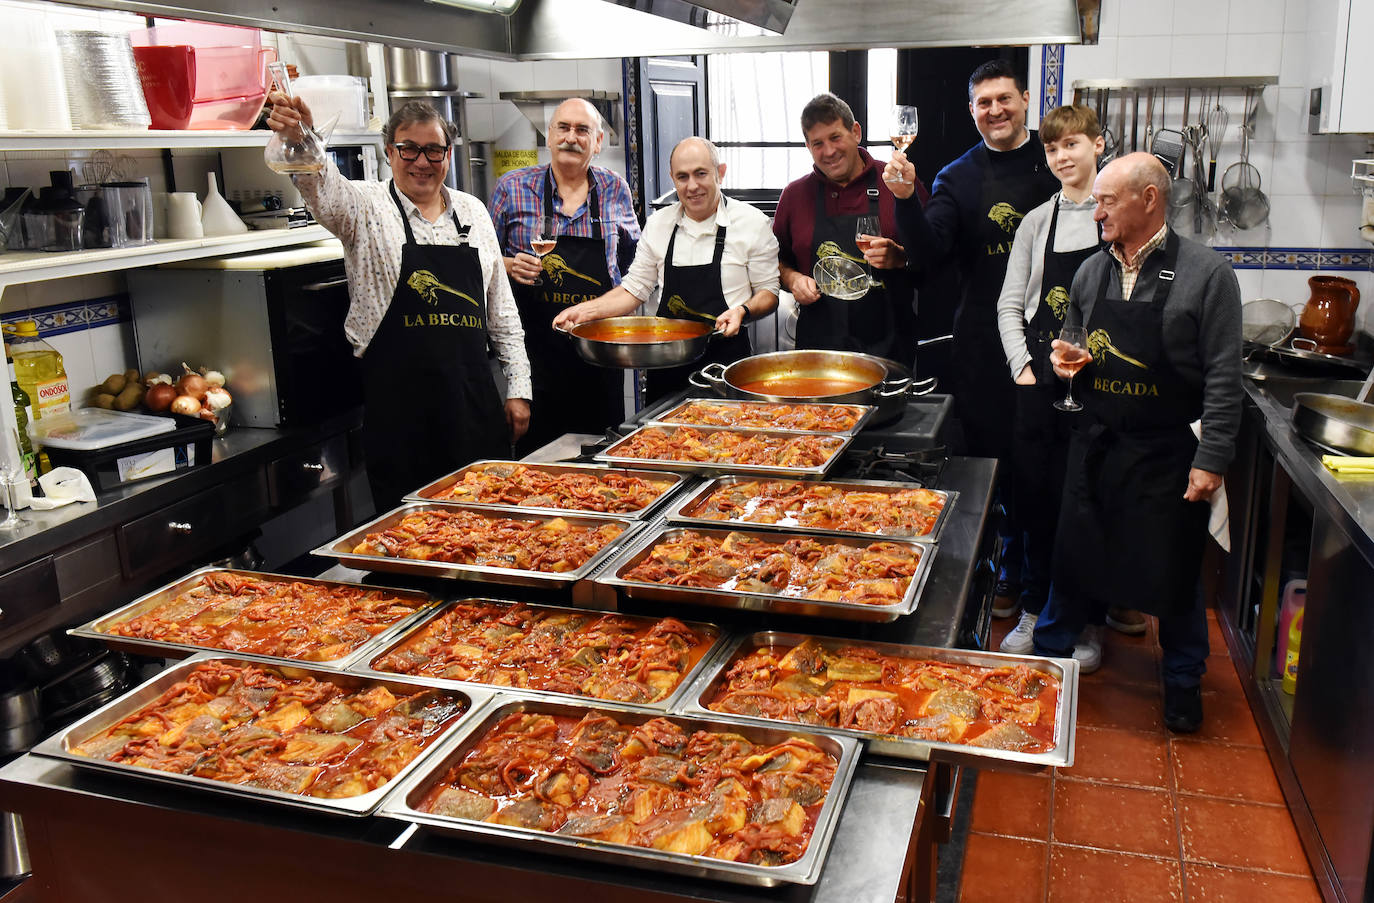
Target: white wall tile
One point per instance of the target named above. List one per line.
(1299, 168)
(1341, 222)
(1290, 122)
(1296, 220)
(1109, 20)
(112, 349)
(1288, 286)
(481, 119)
(474, 74)
(603, 75)
(552, 75)
(1143, 57)
(1193, 16)
(1254, 54)
(1198, 55)
(14, 300)
(1295, 16)
(1293, 64)
(1250, 283)
(1090, 60)
(1342, 150)
(508, 75)
(75, 348)
(1252, 16)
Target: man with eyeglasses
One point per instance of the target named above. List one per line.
(428, 296)
(596, 232)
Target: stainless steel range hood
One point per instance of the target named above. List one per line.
(770, 15)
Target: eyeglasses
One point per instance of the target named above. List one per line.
(563, 128)
(434, 153)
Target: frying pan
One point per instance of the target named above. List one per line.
(1342, 423)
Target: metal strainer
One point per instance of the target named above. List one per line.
(1266, 321)
(1242, 201)
(841, 278)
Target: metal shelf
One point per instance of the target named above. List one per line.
(21, 267)
(132, 139)
(1234, 82)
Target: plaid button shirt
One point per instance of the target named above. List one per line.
(519, 198)
(1130, 270)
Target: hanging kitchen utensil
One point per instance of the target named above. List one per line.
(1109, 143)
(1266, 321)
(1183, 192)
(1150, 119)
(1204, 212)
(1217, 119)
(1242, 202)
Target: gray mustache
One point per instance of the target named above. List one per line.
(569, 146)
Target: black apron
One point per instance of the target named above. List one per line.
(1042, 432)
(866, 324)
(1126, 536)
(983, 392)
(431, 401)
(700, 289)
(570, 395)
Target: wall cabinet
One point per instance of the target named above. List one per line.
(1340, 39)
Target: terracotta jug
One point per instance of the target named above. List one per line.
(1328, 318)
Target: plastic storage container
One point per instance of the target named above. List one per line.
(91, 429)
(231, 70)
(184, 443)
(327, 95)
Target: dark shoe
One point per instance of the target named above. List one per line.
(1006, 599)
(1125, 620)
(1183, 709)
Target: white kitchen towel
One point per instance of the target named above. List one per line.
(62, 486)
(1220, 523)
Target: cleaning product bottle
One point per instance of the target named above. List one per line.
(1294, 599)
(1290, 664)
(38, 370)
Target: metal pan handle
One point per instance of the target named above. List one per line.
(565, 332)
(1302, 343)
(909, 387)
(712, 376)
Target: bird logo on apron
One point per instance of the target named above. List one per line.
(1100, 343)
(427, 286)
(556, 268)
(1006, 216)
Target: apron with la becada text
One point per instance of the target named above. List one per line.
(570, 394)
(1126, 535)
(697, 288)
(431, 401)
(865, 324)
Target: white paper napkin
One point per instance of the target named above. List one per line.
(62, 486)
(1219, 525)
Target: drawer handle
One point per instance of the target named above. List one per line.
(317, 468)
(179, 526)
(326, 284)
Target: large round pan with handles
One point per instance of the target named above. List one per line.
(830, 377)
(643, 343)
(1342, 423)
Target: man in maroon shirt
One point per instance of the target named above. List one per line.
(817, 217)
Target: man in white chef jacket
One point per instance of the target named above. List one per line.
(715, 259)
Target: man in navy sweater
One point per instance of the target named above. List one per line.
(972, 217)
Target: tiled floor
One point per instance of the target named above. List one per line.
(1143, 815)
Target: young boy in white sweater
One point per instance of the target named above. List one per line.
(1053, 240)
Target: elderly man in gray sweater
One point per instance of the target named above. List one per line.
(1162, 315)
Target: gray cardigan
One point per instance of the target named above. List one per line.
(1201, 333)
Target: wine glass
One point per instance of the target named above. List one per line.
(867, 228)
(544, 240)
(9, 483)
(1072, 359)
(903, 130)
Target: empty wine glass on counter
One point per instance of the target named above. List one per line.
(1073, 359)
(10, 477)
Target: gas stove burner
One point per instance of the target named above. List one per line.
(922, 467)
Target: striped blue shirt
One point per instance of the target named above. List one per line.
(519, 198)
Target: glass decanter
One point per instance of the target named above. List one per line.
(305, 150)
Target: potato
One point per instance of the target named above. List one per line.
(131, 375)
(114, 384)
(129, 398)
(105, 400)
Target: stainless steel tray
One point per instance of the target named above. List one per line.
(806, 870)
(681, 511)
(710, 469)
(864, 412)
(426, 494)
(365, 665)
(97, 629)
(634, 552)
(61, 744)
(1065, 670)
(342, 547)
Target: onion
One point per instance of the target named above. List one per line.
(194, 385)
(214, 378)
(159, 397)
(218, 398)
(185, 404)
(207, 414)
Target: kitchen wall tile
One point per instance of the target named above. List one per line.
(75, 348)
(1138, 19)
(111, 349)
(1296, 219)
(600, 75)
(1290, 122)
(474, 74)
(1299, 168)
(552, 75)
(1090, 61)
(1192, 17)
(1293, 66)
(1288, 286)
(1295, 16)
(1109, 20)
(481, 120)
(1143, 57)
(1198, 55)
(1254, 54)
(507, 75)
(1254, 16)
(1251, 284)
(1341, 221)
(1342, 150)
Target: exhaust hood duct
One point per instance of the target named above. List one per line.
(719, 15)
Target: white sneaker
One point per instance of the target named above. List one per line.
(1021, 640)
(1088, 649)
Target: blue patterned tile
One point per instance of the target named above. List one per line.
(74, 316)
(1051, 76)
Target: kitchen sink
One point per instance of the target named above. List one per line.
(1283, 388)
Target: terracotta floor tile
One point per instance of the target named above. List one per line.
(1127, 663)
(1220, 769)
(1125, 706)
(1209, 884)
(1003, 870)
(1120, 757)
(1014, 804)
(1129, 819)
(1079, 875)
(1246, 835)
(1147, 640)
(1221, 677)
(1215, 638)
(1227, 718)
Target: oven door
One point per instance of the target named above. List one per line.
(317, 374)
